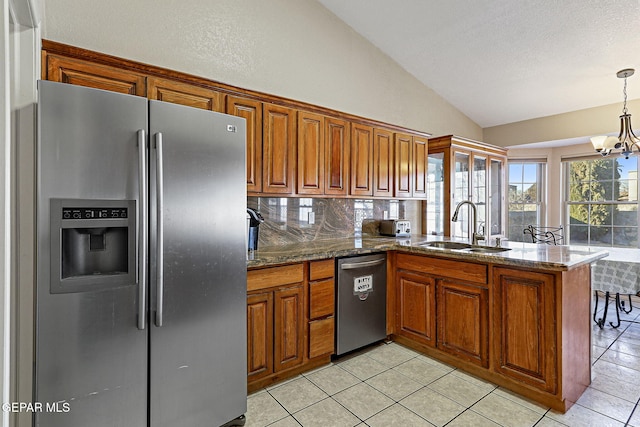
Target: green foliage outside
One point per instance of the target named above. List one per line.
(592, 181)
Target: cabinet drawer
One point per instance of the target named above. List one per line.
(461, 270)
(321, 298)
(321, 337)
(322, 269)
(274, 276)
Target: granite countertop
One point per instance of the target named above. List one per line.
(547, 257)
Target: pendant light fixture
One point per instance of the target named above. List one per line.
(626, 140)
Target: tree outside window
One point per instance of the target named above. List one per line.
(602, 202)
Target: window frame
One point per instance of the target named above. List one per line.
(566, 202)
(541, 192)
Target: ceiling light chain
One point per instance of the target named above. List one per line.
(626, 139)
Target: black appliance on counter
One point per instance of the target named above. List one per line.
(255, 219)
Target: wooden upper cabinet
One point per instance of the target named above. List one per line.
(89, 74)
(336, 156)
(185, 94)
(279, 149)
(404, 165)
(310, 153)
(251, 111)
(420, 168)
(361, 160)
(382, 163)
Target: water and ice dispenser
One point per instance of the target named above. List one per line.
(93, 244)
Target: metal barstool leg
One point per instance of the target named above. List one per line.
(617, 310)
(630, 306)
(600, 322)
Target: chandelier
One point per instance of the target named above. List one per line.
(626, 140)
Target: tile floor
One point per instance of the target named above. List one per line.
(391, 385)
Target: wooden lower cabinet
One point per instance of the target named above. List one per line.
(416, 307)
(288, 328)
(259, 335)
(275, 331)
(321, 308)
(527, 330)
(290, 320)
(524, 324)
(463, 320)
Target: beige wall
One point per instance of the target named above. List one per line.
(575, 124)
(292, 48)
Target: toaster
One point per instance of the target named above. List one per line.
(395, 227)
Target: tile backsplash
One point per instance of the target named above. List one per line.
(295, 220)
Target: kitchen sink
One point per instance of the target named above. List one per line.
(465, 247)
(487, 249)
(447, 245)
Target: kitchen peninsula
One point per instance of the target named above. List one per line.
(519, 318)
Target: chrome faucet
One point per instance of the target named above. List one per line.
(475, 237)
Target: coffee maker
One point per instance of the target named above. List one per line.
(254, 220)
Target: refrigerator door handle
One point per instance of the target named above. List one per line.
(141, 266)
(160, 230)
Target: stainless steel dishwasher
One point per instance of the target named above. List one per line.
(361, 301)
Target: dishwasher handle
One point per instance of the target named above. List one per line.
(364, 264)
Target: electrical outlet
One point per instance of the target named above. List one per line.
(312, 218)
(385, 214)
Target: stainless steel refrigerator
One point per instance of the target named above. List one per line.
(141, 262)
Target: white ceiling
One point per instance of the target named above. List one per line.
(502, 61)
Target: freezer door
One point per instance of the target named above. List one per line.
(197, 267)
(91, 359)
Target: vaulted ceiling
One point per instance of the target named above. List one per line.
(503, 61)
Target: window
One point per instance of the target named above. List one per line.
(601, 199)
(526, 197)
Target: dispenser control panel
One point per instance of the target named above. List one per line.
(94, 213)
